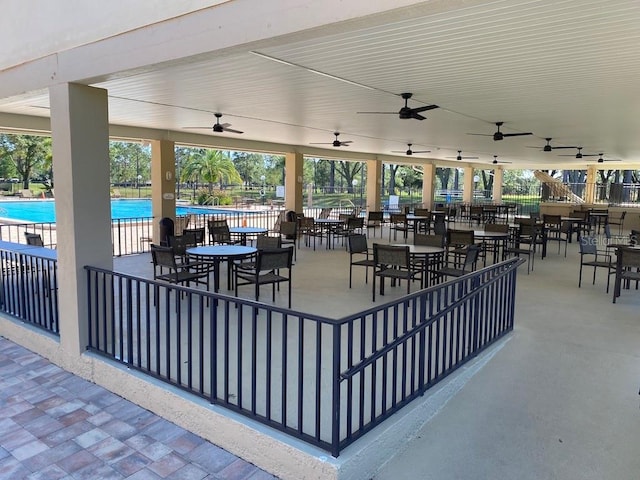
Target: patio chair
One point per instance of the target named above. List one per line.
(289, 235)
(617, 220)
(457, 243)
(392, 262)
(359, 255)
(524, 243)
(198, 234)
(590, 256)
(219, 232)
(627, 269)
(308, 229)
(398, 223)
(466, 266)
(180, 244)
(557, 230)
(374, 220)
(34, 239)
(165, 258)
(268, 269)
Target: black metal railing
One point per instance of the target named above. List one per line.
(29, 287)
(321, 380)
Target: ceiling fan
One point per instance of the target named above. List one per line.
(220, 127)
(495, 160)
(601, 159)
(409, 151)
(406, 112)
(580, 154)
(335, 143)
(460, 157)
(498, 135)
(548, 147)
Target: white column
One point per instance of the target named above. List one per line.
(80, 132)
(163, 183)
(428, 181)
(293, 164)
(374, 185)
(590, 191)
(498, 175)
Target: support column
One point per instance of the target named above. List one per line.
(80, 133)
(590, 191)
(374, 185)
(467, 193)
(293, 165)
(498, 176)
(163, 183)
(428, 182)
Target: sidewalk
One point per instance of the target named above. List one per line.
(55, 425)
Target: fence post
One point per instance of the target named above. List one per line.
(335, 404)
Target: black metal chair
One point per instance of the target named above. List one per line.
(359, 255)
(590, 256)
(374, 220)
(627, 269)
(268, 270)
(392, 262)
(165, 258)
(466, 266)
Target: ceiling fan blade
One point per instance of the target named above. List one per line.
(558, 148)
(321, 143)
(226, 129)
(417, 116)
(208, 128)
(421, 151)
(482, 134)
(516, 134)
(346, 142)
(425, 108)
(380, 113)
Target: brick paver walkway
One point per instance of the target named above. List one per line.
(55, 425)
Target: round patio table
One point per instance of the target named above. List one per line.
(217, 253)
(244, 232)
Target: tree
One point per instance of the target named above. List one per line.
(212, 167)
(348, 171)
(250, 166)
(26, 153)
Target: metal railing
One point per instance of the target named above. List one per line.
(324, 381)
(29, 287)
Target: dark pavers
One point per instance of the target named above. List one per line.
(55, 425)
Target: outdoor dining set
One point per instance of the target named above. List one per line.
(419, 247)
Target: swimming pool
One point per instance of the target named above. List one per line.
(41, 211)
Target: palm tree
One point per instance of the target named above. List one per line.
(212, 167)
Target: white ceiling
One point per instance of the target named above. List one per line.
(564, 69)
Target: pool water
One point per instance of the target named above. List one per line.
(41, 211)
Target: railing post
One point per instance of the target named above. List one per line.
(335, 404)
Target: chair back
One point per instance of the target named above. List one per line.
(163, 257)
(398, 218)
(628, 257)
(267, 242)
(357, 243)
(588, 245)
(421, 212)
(440, 228)
(460, 237)
(325, 212)
(289, 229)
(197, 233)
(470, 258)
(34, 239)
(218, 231)
(391, 255)
(428, 240)
(274, 259)
(355, 223)
(180, 224)
(375, 218)
(496, 227)
(180, 243)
